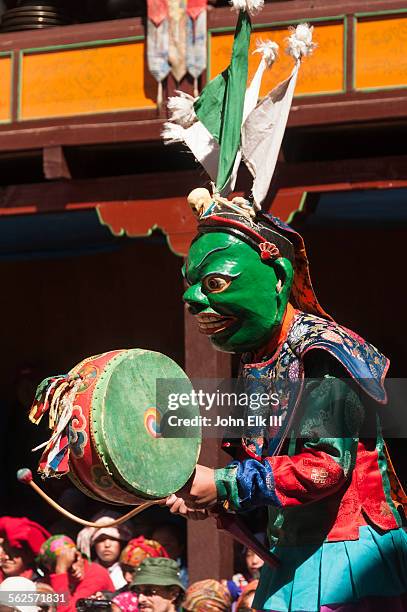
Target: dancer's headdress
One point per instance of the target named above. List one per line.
(227, 123)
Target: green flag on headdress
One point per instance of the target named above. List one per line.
(220, 105)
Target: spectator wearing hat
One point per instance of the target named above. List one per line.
(157, 583)
(13, 586)
(70, 574)
(107, 544)
(207, 596)
(132, 556)
(21, 542)
(136, 551)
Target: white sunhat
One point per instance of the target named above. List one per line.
(18, 584)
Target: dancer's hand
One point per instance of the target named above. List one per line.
(177, 505)
(200, 490)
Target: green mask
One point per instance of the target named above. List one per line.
(239, 299)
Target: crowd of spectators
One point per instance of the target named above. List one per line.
(110, 569)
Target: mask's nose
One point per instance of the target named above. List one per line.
(196, 300)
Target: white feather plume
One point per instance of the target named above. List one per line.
(181, 109)
(300, 42)
(172, 132)
(251, 6)
(269, 50)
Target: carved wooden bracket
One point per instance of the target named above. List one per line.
(141, 217)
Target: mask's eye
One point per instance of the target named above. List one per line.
(215, 284)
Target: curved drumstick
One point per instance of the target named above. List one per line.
(230, 523)
(25, 476)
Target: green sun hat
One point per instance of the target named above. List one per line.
(159, 571)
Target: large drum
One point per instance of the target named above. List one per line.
(116, 451)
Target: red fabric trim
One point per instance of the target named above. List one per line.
(195, 8)
(157, 11)
(370, 486)
(244, 228)
(362, 502)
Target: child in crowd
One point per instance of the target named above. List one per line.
(106, 545)
(239, 581)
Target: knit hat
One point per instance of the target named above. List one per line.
(20, 532)
(139, 549)
(160, 571)
(53, 547)
(18, 584)
(207, 596)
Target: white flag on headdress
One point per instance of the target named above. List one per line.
(262, 134)
(204, 147)
(197, 138)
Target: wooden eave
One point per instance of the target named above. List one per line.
(145, 125)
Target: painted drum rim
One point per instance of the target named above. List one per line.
(79, 485)
(85, 466)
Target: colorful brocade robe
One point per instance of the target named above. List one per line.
(322, 474)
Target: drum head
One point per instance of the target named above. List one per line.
(125, 425)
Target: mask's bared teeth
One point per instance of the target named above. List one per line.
(213, 325)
